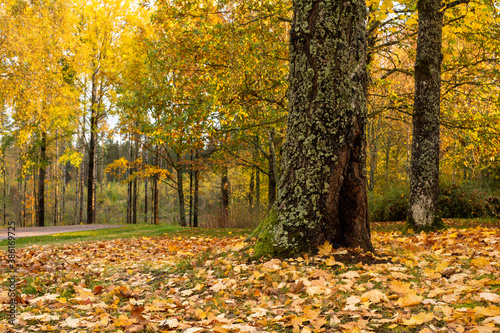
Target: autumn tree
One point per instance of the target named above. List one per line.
(424, 185)
(100, 28)
(322, 191)
(40, 53)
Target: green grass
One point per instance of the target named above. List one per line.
(126, 231)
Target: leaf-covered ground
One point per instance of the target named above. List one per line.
(439, 282)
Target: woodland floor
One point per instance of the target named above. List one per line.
(191, 282)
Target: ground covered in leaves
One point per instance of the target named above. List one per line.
(439, 282)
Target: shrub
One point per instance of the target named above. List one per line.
(467, 201)
(455, 201)
(390, 206)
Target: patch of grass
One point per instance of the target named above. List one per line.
(126, 231)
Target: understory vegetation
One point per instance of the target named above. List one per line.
(466, 200)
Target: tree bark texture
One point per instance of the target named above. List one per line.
(322, 192)
(424, 184)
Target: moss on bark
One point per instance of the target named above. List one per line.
(322, 189)
(424, 185)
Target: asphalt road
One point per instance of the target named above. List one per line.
(43, 231)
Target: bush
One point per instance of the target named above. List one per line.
(391, 206)
(455, 201)
(467, 201)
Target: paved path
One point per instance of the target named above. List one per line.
(43, 231)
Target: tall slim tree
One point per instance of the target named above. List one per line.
(424, 185)
(424, 173)
(322, 192)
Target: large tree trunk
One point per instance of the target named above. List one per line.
(40, 214)
(424, 184)
(322, 190)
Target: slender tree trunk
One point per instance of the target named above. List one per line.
(196, 193)
(424, 185)
(251, 190)
(77, 183)
(225, 194)
(63, 204)
(92, 153)
(56, 182)
(180, 195)
(134, 187)
(155, 186)
(373, 157)
(273, 170)
(34, 204)
(257, 193)
(146, 198)
(387, 157)
(322, 193)
(129, 183)
(146, 180)
(102, 180)
(23, 209)
(4, 192)
(191, 190)
(40, 216)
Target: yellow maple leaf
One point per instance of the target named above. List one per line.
(419, 319)
(200, 314)
(325, 249)
(491, 311)
(374, 296)
(410, 299)
(332, 262)
(479, 262)
(238, 246)
(399, 287)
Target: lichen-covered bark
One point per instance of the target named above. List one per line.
(424, 186)
(322, 189)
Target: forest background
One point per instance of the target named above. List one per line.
(174, 112)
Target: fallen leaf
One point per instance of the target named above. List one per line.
(495, 298)
(410, 299)
(374, 296)
(325, 249)
(419, 319)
